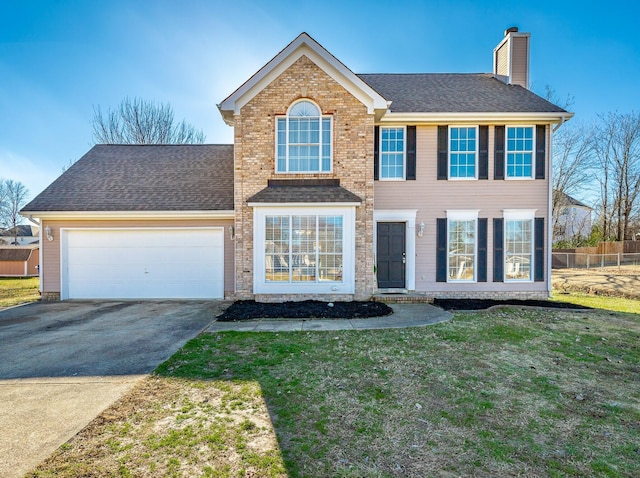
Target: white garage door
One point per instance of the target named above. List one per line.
(143, 264)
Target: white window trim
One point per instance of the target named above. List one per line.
(533, 154)
(408, 216)
(449, 177)
(404, 154)
(346, 286)
(464, 215)
(519, 215)
(286, 117)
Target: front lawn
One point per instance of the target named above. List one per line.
(502, 393)
(18, 291)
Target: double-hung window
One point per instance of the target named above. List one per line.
(463, 152)
(462, 230)
(303, 140)
(518, 247)
(392, 152)
(519, 152)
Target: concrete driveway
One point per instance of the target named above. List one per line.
(62, 363)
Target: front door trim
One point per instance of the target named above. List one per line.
(408, 216)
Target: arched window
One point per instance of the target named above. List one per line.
(303, 140)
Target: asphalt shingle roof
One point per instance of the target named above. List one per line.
(24, 230)
(144, 178)
(15, 254)
(455, 93)
(304, 191)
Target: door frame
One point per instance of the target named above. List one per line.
(408, 216)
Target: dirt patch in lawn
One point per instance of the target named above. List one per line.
(307, 309)
(482, 304)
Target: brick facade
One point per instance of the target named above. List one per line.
(254, 138)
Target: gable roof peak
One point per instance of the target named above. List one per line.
(302, 45)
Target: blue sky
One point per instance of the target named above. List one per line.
(59, 59)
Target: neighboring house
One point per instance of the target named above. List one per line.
(337, 186)
(19, 261)
(572, 218)
(26, 234)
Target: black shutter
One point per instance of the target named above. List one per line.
(483, 152)
(498, 250)
(498, 163)
(441, 250)
(411, 152)
(482, 249)
(376, 152)
(541, 148)
(443, 151)
(538, 268)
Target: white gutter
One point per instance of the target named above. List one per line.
(77, 215)
(475, 118)
(563, 120)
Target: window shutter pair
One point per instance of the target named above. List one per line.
(499, 147)
(498, 250)
(443, 152)
(441, 250)
(410, 173)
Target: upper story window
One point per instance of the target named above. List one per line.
(392, 152)
(303, 140)
(463, 152)
(519, 152)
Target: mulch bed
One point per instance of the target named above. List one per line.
(481, 304)
(307, 309)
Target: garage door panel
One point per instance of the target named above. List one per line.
(154, 263)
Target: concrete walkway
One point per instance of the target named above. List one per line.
(404, 315)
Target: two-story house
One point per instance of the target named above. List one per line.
(338, 185)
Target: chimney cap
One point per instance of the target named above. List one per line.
(510, 30)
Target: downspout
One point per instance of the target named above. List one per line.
(563, 120)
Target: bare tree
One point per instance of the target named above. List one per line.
(137, 121)
(14, 197)
(617, 152)
(572, 171)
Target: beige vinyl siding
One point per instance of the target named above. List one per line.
(502, 59)
(51, 249)
(432, 198)
(519, 60)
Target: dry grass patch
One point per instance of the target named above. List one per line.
(502, 393)
(175, 427)
(18, 291)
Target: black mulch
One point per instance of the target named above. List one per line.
(481, 304)
(314, 309)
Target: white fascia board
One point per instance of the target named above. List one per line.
(303, 204)
(474, 118)
(303, 45)
(142, 215)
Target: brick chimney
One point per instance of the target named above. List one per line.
(511, 58)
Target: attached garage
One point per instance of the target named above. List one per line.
(142, 263)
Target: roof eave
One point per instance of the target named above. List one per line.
(476, 118)
(303, 204)
(142, 215)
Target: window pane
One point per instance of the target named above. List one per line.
(277, 249)
(462, 246)
(462, 152)
(392, 153)
(518, 249)
(520, 151)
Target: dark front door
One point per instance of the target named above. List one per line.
(391, 255)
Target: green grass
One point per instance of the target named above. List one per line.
(503, 393)
(617, 304)
(18, 291)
